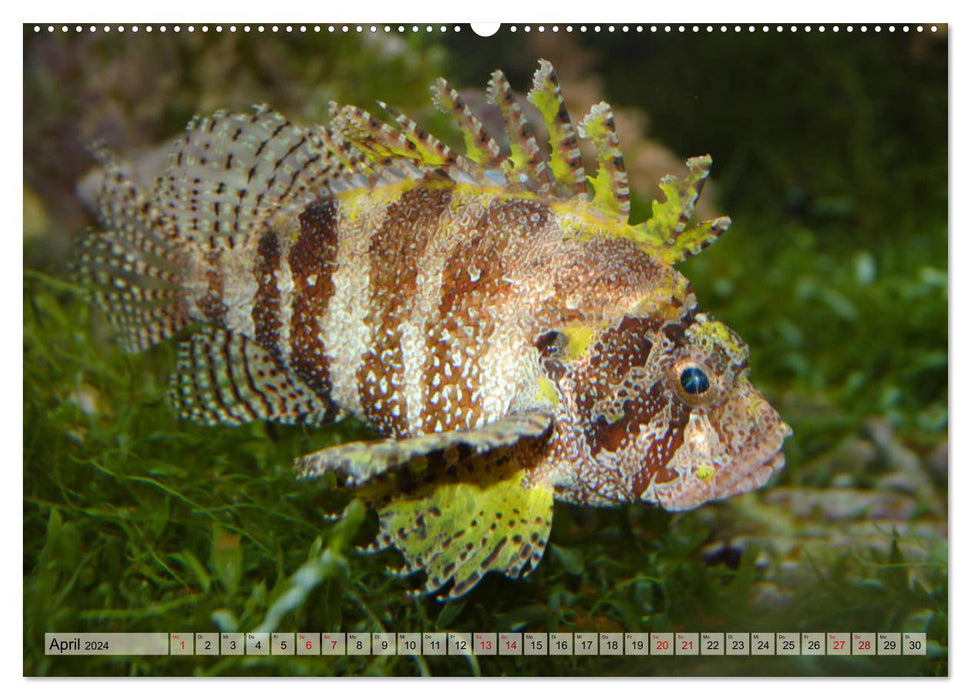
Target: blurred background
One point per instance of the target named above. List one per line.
(830, 155)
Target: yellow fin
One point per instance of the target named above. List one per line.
(611, 188)
(461, 531)
(565, 160)
(689, 243)
(670, 217)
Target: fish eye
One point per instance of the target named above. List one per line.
(694, 381)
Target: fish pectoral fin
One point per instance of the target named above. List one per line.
(363, 461)
(461, 530)
(225, 378)
(456, 504)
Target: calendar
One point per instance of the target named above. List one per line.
(488, 644)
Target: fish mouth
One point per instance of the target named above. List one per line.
(745, 480)
(724, 473)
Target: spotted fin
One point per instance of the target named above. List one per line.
(224, 378)
(229, 172)
(361, 462)
(565, 160)
(131, 270)
(462, 530)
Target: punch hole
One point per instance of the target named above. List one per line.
(485, 29)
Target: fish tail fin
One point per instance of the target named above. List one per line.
(131, 269)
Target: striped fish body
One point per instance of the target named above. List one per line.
(493, 316)
(417, 306)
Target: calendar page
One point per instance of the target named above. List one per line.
(527, 349)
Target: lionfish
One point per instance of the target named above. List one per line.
(493, 316)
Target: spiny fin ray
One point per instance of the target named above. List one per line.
(480, 148)
(670, 218)
(565, 160)
(695, 239)
(525, 164)
(611, 188)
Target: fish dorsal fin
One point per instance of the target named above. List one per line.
(525, 164)
(229, 172)
(374, 143)
(431, 152)
(480, 148)
(690, 242)
(391, 153)
(610, 186)
(566, 162)
(666, 233)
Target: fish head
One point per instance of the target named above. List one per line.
(663, 411)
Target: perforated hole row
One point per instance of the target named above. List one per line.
(484, 30)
